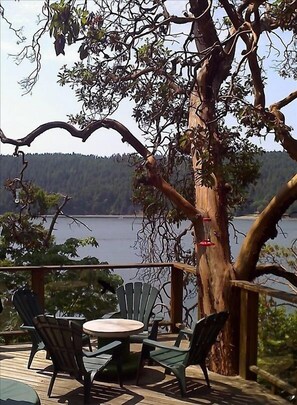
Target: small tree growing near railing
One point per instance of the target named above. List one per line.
(277, 349)
(27, 238)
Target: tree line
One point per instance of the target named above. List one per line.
(103, 185)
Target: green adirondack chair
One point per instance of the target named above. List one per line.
(136, 301)
(63, 341)
(27, 305)
(176, 359)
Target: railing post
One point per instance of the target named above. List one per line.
(37, 282)
(176, 304)
(249, 309)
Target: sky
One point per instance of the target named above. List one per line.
(20, 114)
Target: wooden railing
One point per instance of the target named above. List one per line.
(249, 305)
(176, 293)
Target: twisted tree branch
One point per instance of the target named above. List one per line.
(282, 132)
(155, 179)
(264, 228)
(276, 270)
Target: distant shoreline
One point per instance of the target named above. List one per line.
(243, 217)
(254, 216)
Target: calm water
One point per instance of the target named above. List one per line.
(116, 236)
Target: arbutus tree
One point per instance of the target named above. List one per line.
(194, 73)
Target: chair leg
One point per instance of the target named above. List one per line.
(90, 345)
(140, 367)
(119, 371)
(204, 369)
(51, 383)
(181, 377)
(154, 330)
(32, 354)
(87, 388)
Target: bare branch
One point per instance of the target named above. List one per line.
(275, 269)
(285, 101)
(83, 134)
(54, 219)
(17, 31)
(282, 132)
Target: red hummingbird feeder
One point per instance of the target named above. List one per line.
(206, 225)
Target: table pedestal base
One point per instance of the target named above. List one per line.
(129, 369)
(129, 360)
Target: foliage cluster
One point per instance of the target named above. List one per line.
(25, 240)
(277, 348)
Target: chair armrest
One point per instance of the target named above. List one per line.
(59, 315)
(187, 332)
(111, 315)
(78, 319)
(156, 344)
(157, 317)
(183, 329)
(183, 332)
(27, 327)
(104, 349)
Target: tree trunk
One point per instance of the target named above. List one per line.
(214, 267)
(214, 272)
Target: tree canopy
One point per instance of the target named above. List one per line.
(195, 74)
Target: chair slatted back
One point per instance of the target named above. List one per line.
(204, 336)
(63, 340)
(136, 301)
(28, 307)
(27, 304)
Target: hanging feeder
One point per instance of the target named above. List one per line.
(17, 194)
(206, 225)
(16, 187)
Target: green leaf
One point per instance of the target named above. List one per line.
(83, 52)
(60, 44)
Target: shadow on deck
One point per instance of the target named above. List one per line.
(156, 388)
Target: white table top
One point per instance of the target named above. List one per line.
(113, 327)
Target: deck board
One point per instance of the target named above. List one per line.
(155, 388)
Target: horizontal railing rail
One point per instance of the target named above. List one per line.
(176, 293)
(249, 304)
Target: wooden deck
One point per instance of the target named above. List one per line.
(155, 388)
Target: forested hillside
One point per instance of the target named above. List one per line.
(96, 185)
(102, 186)
(276, 169)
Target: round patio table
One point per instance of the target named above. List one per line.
(115, 328)
(109, 329)
(16, 392)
